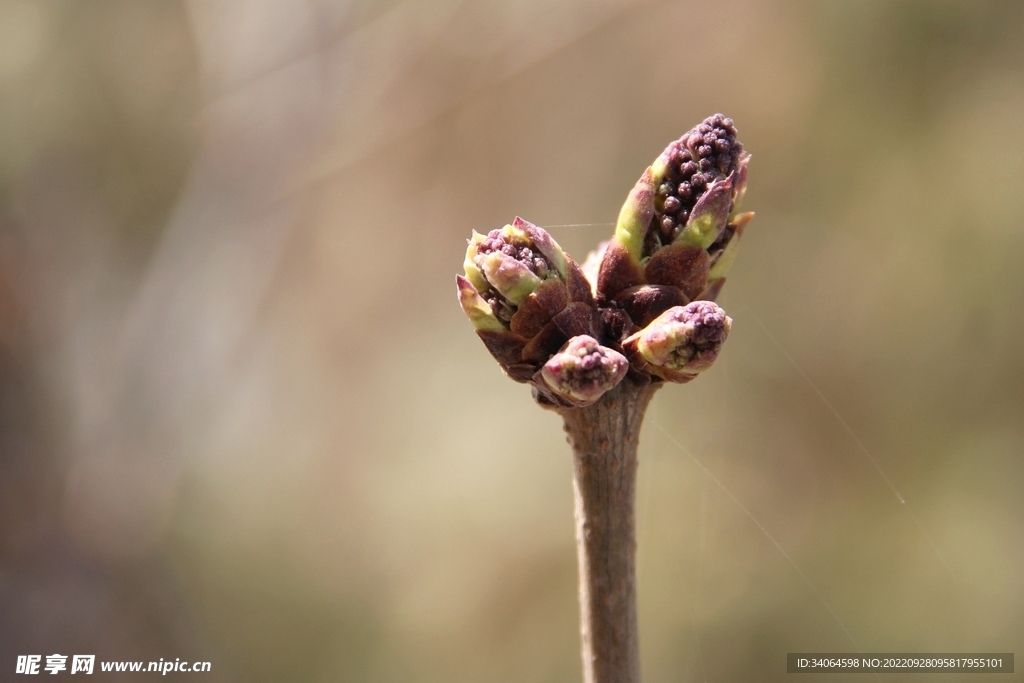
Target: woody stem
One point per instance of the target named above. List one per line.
(604, 439)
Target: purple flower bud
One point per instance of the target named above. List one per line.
(681, 342)
(583, 371)
(525, 297)
(506, 266)
(695, 164)
(680, 220)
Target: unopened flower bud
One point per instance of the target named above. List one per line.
(524, 296)
(513, 261)
(583, 371)
(692, 167)
(679, 226)
(681, 342)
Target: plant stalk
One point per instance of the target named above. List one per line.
(604, 439)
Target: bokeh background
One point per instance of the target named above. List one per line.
(243, 420)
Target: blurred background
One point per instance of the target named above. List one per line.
(243, 420)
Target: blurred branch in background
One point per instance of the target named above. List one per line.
(231, 426)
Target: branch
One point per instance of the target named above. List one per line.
(604, 440)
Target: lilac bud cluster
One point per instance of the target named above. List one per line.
(643, 306)
(707, 153)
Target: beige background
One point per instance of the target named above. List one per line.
(243, 420)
